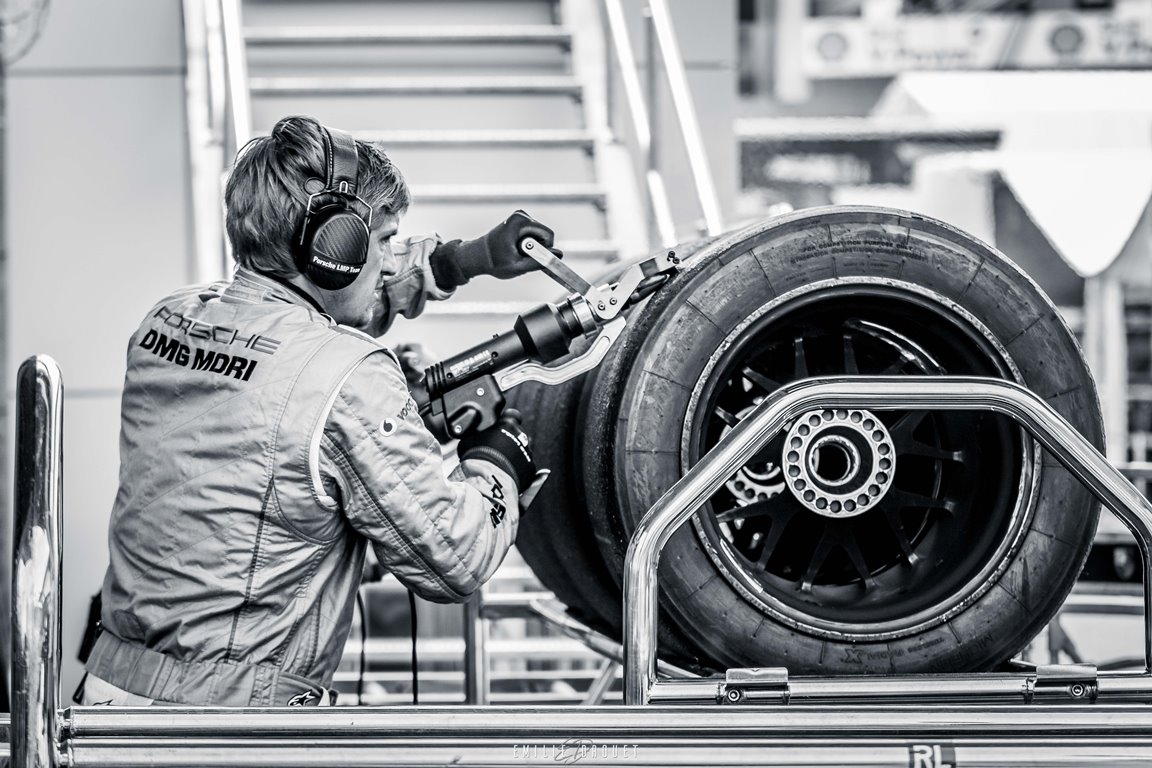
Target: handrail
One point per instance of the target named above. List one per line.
(207, 101)
(658, 206)
(219, 121)
(217, 69)
(237, 73)
(642, 111)
(738, 447)
(37, 551)
(686, 114)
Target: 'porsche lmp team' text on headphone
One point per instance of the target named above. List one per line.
(333, 243)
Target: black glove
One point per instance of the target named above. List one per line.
(414, 360)
(505, 444)
(497, 253)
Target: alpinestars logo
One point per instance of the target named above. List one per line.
(303, 699)
(498, 511)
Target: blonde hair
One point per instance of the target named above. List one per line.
(265, 197)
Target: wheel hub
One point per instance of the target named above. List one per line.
(839, 463)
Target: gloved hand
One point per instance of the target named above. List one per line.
(496, 253)
(414, 360)
(505, 444)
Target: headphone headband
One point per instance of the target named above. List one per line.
(340, 150)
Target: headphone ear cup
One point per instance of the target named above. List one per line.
(335, 249)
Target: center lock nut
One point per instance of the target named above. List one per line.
(838, 462)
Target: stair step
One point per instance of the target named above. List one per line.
(517, 138)
(462, 309)
(398, 13)
(357, 35)
(506, 165)
(489, 112)
(523, 193)
(416, 85)
(593, 252)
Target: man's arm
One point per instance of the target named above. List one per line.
(443, 538)
(431, 269)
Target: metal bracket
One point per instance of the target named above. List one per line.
(1063, 681)
(605, 301)
(759, 684)
(554, 267)
(608, 301)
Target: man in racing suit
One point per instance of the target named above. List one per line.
(268, 438)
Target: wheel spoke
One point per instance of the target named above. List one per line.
(902, 429)
(850, 366)
(759, 380)
(779, 523)
(847, 541)
(896, 525)
(778, 506)
(823, 549)
(801, 369)
(898, 365)
(725, 416)
(917, 448)
(916, 500)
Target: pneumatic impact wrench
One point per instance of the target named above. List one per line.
(466, 392)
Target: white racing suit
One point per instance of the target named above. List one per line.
(263, 447)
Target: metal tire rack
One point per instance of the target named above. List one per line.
(1057, 715)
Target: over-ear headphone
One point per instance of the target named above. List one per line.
(333, 243)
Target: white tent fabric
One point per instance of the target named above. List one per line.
(1076, 147)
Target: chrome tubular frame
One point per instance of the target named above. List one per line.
(482, 736)
(684, 498)
(931, 715)
(37, 548)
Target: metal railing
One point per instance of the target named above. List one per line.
(737, 448)
(37, 548)
(642, 102)
(206, 736)
(219, 121)
(484, 608)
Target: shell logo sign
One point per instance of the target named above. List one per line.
(846, 48)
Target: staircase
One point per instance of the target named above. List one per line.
(477, 102)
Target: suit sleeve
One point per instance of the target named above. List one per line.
(443, 537)
(414, 284)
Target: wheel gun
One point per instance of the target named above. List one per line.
(466, 392)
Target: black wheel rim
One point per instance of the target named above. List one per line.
(957, 498)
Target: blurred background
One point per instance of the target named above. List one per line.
(627, 127)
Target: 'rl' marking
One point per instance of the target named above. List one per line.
(931, 756)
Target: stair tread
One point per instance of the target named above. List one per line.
(510, 137)
(473, 308)
(425, 84)
(589, 250)
(579, 191)
(302, 35)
